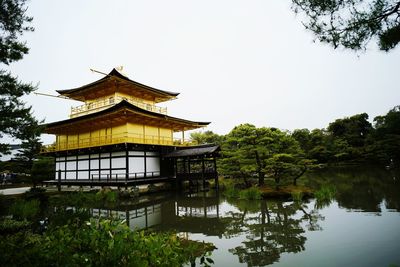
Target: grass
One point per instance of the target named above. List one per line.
(325, 195)
(25, 209)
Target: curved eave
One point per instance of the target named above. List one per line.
(195, 151)
(120, 106)
(114, 73)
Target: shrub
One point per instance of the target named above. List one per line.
(22, 209)
(99, 243)
(9, 226)
(35, 192)
(76, 199)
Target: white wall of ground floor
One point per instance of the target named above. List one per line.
(108, 165)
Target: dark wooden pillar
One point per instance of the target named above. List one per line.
(76, 166)
(145, 165)
(126, 162)
(59, 181)
(110, 165)
(99, 158)
(90, 169)
(202, 172)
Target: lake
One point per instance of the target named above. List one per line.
(360, 227)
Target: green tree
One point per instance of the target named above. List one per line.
(42, 169)
(303, 136)
(353, 129)
(288, 166)
(318, 148)
(349, 136)
(208, 137)
(249, 151)
(245, 150)
(386, 146)
(14, 115)
(31, 144)
(352, 24)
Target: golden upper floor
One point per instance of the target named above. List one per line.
(117, 134)
(112, 89)
(119, 123)
(96, 105)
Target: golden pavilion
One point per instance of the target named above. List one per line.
(120, 136)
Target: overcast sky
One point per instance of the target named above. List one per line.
(233, 61)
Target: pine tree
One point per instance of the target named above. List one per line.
(15, 116)
(352, 24)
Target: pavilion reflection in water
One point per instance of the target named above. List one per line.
(194, 213)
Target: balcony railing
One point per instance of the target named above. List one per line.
(103, 104)
(116, 139)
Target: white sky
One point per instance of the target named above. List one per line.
(233, 61)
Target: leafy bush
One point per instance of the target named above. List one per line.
(9, 226)
(35, 192)
(75, 199)
(22, 209)
(85, 199)
(22, 249)
(98, 243)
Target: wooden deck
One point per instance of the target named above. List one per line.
(134, 179)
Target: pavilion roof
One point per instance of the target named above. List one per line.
(119, 113)
(114, 77)
(208, 149)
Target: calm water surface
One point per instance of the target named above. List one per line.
(361, 227)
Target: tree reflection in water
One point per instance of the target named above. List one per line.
(271, 228)
(361, 188)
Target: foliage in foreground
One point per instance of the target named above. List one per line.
(97, 243)
(9, 226)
